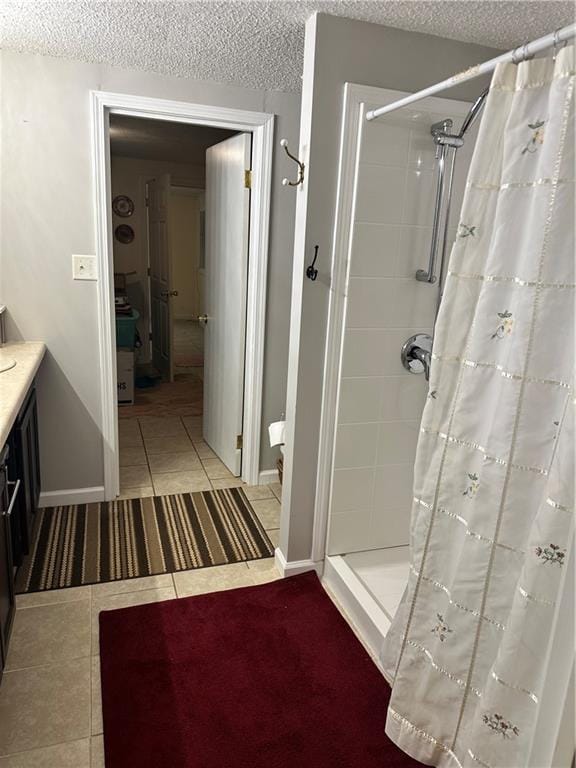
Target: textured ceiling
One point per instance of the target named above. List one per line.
(256, 44)
(162, 140)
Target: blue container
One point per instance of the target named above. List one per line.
(126, 329)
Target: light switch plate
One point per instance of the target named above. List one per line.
(84, 267)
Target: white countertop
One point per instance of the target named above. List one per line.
(14, 383)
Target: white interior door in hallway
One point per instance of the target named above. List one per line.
(161, 288)
(227, 232)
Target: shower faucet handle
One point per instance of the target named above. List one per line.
(416, 354)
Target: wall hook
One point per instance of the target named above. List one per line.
(300, 180)
(312, 272)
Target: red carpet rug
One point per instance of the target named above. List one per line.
(248, 678)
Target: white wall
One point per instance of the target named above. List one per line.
(47, 214)
(337, 51)
(380, 403)
(129, 177)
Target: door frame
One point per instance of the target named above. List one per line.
(261, 126)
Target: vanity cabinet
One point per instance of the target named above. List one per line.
(8, 495)
(19, 495)
(27, 470)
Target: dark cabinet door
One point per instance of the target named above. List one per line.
(16, 524)
(7, 603)
(28, 469)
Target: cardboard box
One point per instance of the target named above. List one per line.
(125, 376)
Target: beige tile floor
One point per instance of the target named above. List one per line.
(166, 454)
(50, 702)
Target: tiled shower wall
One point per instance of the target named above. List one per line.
(380, 404)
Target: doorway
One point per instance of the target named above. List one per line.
(188, 253)
(225, 357)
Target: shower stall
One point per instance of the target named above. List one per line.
(401, 185)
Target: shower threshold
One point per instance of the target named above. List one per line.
(369, 586)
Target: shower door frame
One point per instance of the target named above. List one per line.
(353, 121)
(355, 97)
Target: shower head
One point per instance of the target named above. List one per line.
(473, 113)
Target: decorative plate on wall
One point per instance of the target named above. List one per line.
(124, 233)
(123, 206)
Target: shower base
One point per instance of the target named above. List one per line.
(368, 586)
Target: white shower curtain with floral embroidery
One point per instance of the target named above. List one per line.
(469, 651)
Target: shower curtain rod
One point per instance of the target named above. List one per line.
(515, 56)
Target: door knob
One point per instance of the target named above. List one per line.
(168, 293)
(202, 319)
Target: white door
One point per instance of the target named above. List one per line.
(160, 275)
(227, 222)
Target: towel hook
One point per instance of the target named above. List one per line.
(311, 271)
(300, 180)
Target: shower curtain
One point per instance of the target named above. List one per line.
(468, 653)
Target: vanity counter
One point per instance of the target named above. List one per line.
(15, 382)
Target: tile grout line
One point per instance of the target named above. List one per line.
(47, 605)
(174, 585)
(147, 458)
(47, 746)
(61, 662)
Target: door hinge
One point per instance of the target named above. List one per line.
(148, 272)
(147, 200)
(150, 336)
(239, 442)
(248, 179)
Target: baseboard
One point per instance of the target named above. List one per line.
(295, 566)
(72, 496)
(268, 476)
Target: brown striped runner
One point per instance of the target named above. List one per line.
(124, 539)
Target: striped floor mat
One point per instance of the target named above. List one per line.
(94, 543)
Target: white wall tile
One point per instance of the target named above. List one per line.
(397, 442)
(356, 445)
(360, 400)
(403, 397)
(363, 353)
(348, 532)
(374, 250)
(353, 489)
(414, 303)
(375, 302)
(390, 528)
(393, 487)
(413, 250)
(380, 194)
(422, 151)
(375, 352)
(419, 200)
(371, 302)
(385, 144)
